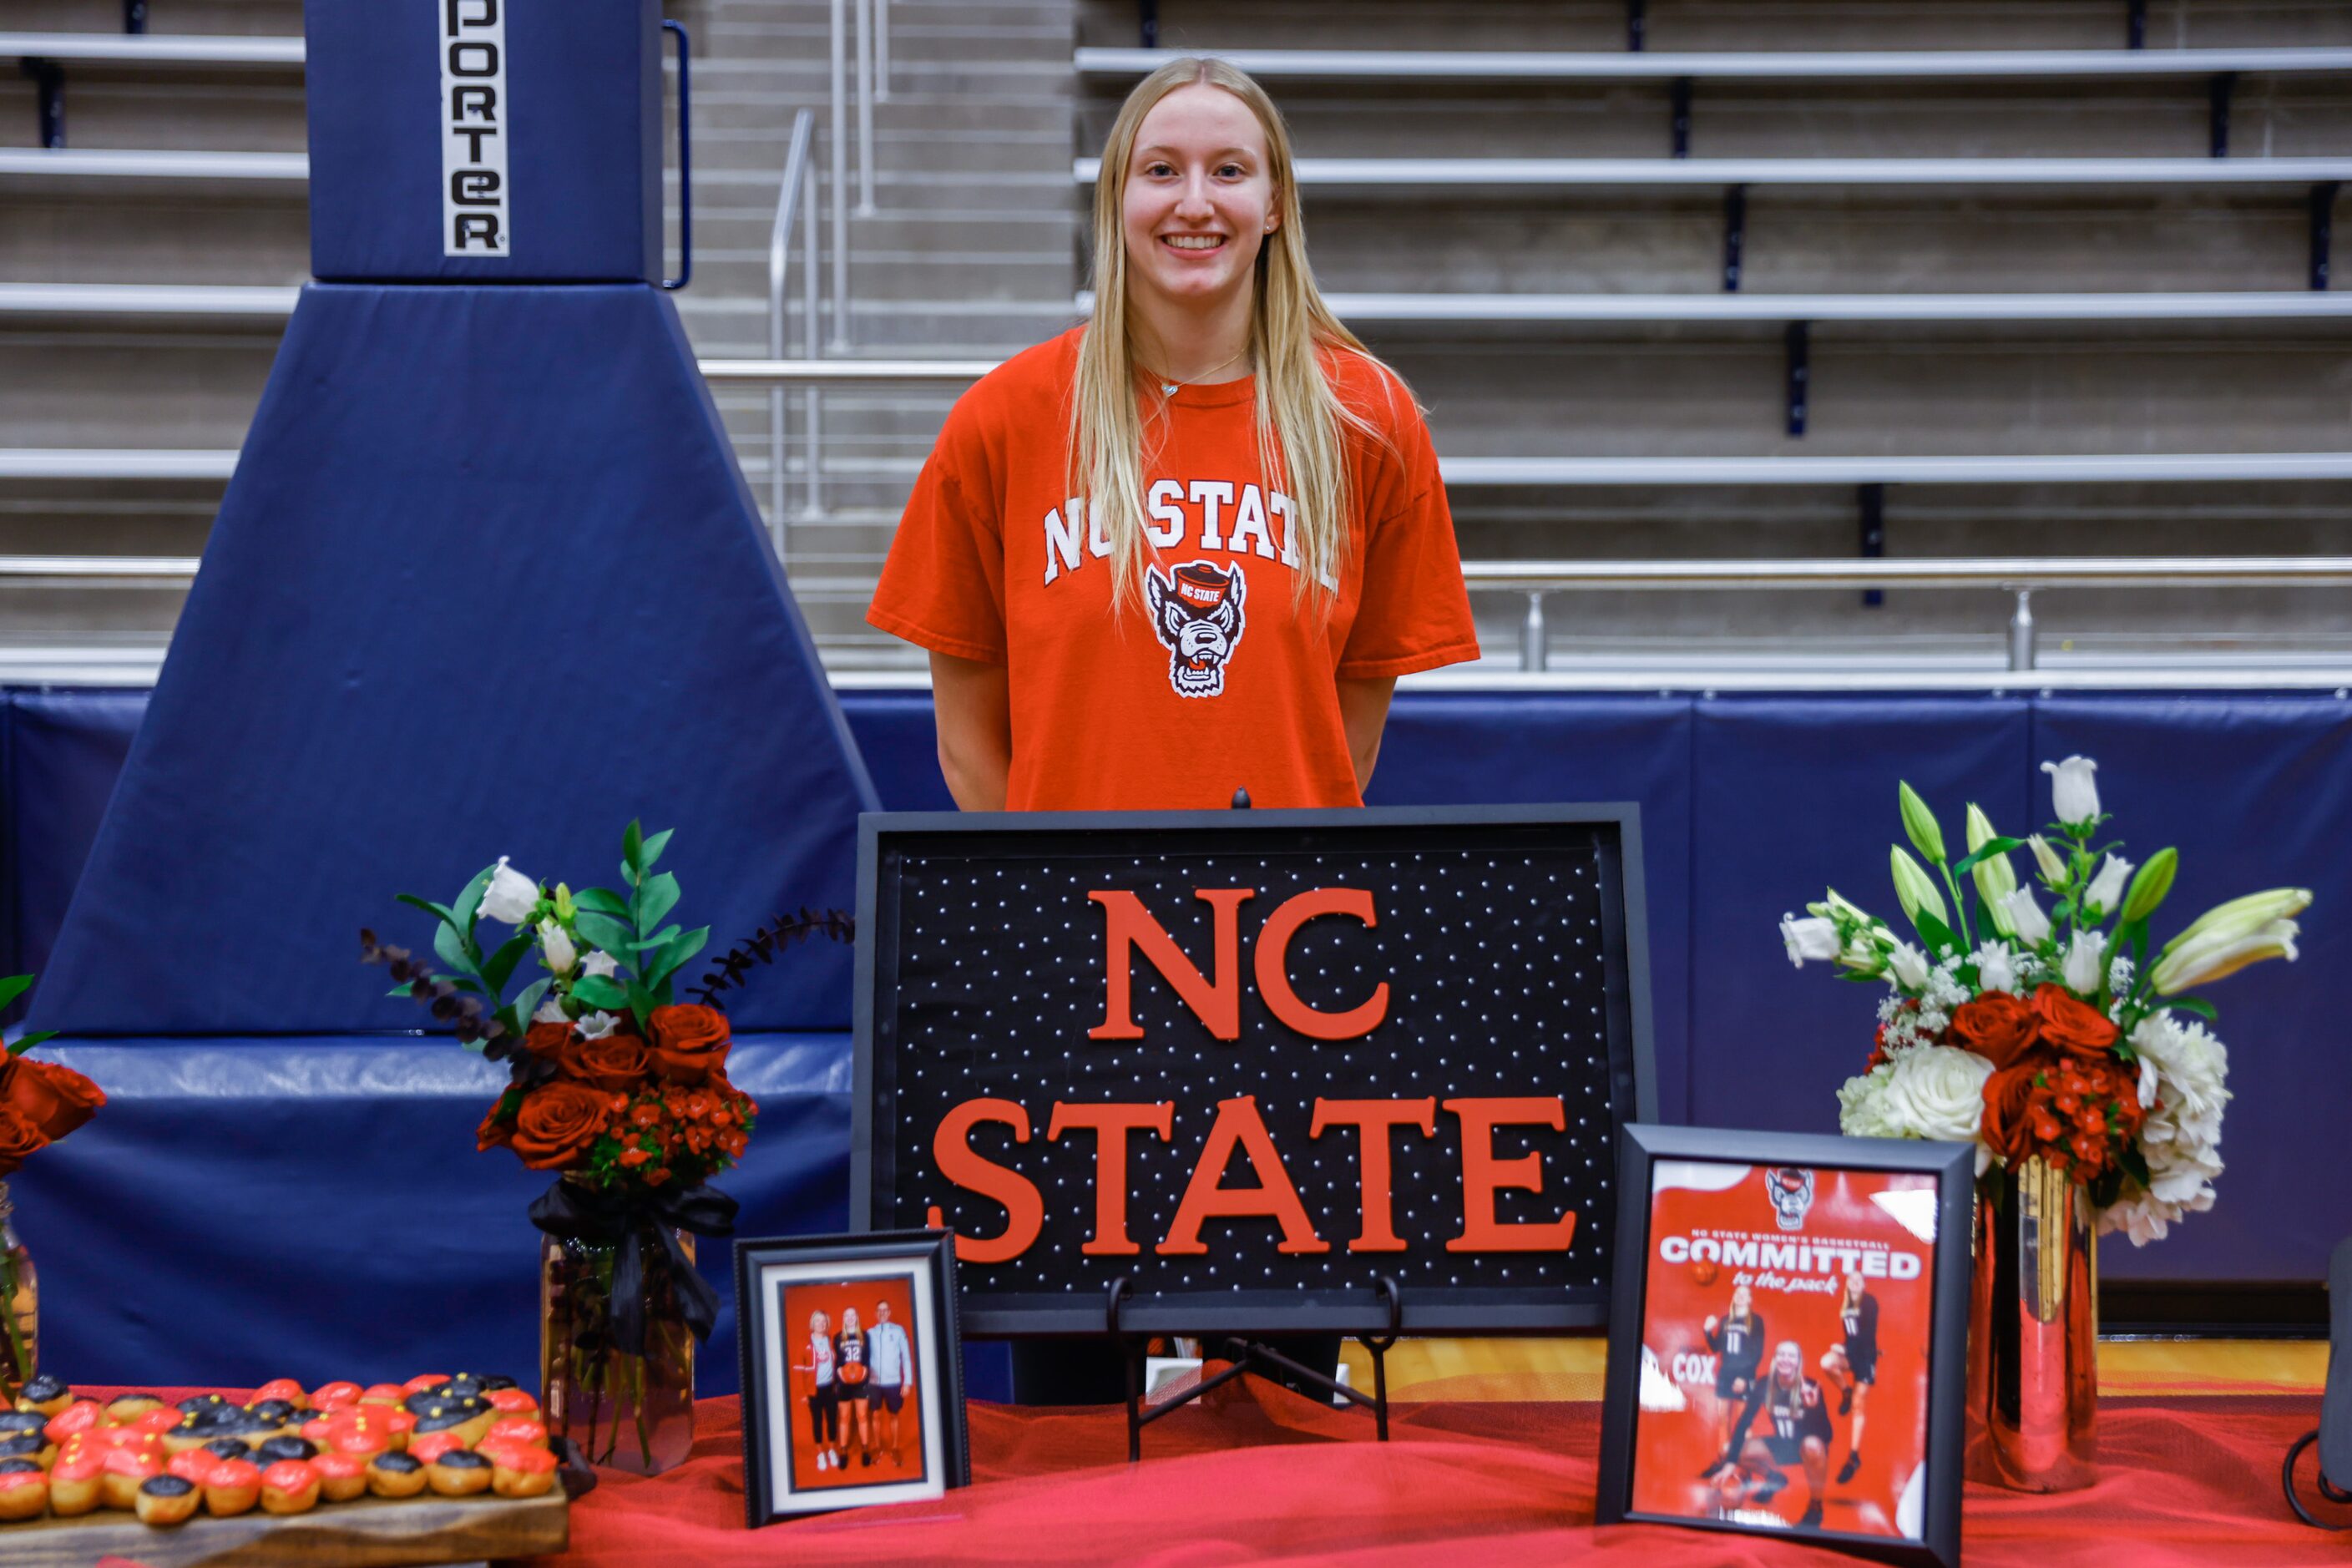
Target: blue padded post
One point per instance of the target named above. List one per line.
(488, 581)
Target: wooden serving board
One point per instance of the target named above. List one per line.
(371, 1532)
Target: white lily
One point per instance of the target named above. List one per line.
(555, 946)
(2025, 917)
(1909, 965)
(2053, 864)
(599, 961)
(1996, 967)
(510, 897)
(1913, 887)
(551, 1011)
(2245, 914)
(1994, 878)
(2222, 952)
(596, 1025)
(1815, 939)
(2086, 963)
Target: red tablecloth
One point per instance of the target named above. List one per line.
(2187, 1482)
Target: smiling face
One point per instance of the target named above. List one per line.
(1788, 1363)
(1200, 198)
(1740, 1300)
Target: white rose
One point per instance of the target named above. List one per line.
(2086, 962)
(596, 1025)
(1815, 939)
(1909, 965)
(1938, 1091)
(2073, 791)
(599, 961)
(556, 944)
(1996, 968)
(510, 898)
(2106, 890)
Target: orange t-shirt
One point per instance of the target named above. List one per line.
(1228, 684)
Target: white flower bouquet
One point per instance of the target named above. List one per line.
(2050, 1032)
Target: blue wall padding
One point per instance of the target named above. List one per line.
(1750, 806)
(64, 751)
(585, 161)
(488, 582)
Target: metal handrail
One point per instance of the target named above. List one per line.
(1564, 174)
(154, 49)
(138, 165)
(844, 372)
(799, 184)
(1765, 65)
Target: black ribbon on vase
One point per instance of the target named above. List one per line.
(622, 1218)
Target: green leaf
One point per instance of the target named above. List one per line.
(2196, 1004)
(2133, 1162)
(439, 912)
(526, 1002)
(26, 1042)
(642, 1003)
(655, 844)
(659, 939)
(612, 934)
(500, 967)
(601, 992)
(469, 902)
(632, 848)
(2106, 1189)
(1990, 847)
(14, 986)
(1939, 936)
(449, 945)
(675, 954)
(655, 898)
(602, 901)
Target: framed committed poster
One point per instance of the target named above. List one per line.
(1789, 1343)
(1276, 1071)
(853, 1373)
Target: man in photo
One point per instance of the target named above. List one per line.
(1797, 1432)
(1854, 1367)
(1737, 1340)
(890, 1372)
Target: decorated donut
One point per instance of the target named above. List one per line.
(123, 1408)
(44, 1395)
(232, 1486)
(275, 1448)
(282, 1390)
(335, 1395)
(468, 1415)
(460, 1472)
(125, 1467)
(511, 1401)
(73, 1479)
(395, 1475)
(386, 1394)
(519, 1469)
(190, 1464)
(32, 1445)
(167, 1500)
(82, 1416)
(23, 1494)
(341, 1477)
(290, 1486)
(515, 1429)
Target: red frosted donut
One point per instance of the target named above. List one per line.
(23, 1494)
(335, 1395)
(519, 1469)
(511, 1401)
(433, 1445)
(231, 1487)
(424, 1381)
(122, 1467)
(341, 1477)
(284, 1388)
(82, 1416)
(191, 1465)
(290, 1486)
(384, 1394)
(157, 1421)
(516, 1429)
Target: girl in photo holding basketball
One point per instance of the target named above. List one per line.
(1187, 548)
(849, 1361)
(1854, 1365)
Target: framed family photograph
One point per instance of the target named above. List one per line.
(1788, 1340)
(853, 1371)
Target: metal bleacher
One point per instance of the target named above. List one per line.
(1938, 282)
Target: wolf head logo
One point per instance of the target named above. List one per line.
(1792, 1188)
(1196, 613)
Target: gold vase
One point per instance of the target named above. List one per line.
(2033, 1322)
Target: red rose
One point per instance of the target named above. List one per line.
(547, 1039)
(18, 1138)
(689, 1042)
(557, 1123)
(1996, 1026)
(494, 1133)
(2071, 1024)
(617, 1064)
(2010, 1101)
(51, 1096)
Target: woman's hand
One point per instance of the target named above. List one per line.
(972, 704)
(1364, 711)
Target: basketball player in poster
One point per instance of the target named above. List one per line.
(1737, 1340)
(825, 1394)
(1854, 1365)
(1796, 1432)
(849, 1365)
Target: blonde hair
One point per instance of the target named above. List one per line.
(1301, 420)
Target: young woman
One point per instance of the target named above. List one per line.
(1186, 548)
(1737, 1340)
(825, 1394)
(1854, 1365)
(849, 1366)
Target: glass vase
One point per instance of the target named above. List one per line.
(2033, 1324)
(20, 1291)
(625, 1411)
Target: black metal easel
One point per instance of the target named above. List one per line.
(1247, 1355)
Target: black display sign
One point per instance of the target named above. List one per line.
(1254, 1062)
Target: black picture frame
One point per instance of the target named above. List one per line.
(873, 1154)
(924, 1257)
(1640, 1148)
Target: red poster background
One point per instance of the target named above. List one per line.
(832, 1298)
(1671, 1447)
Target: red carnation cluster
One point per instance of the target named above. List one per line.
(2058, 1088)
(654, 1109)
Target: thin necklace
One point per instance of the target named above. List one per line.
(1168, 388)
